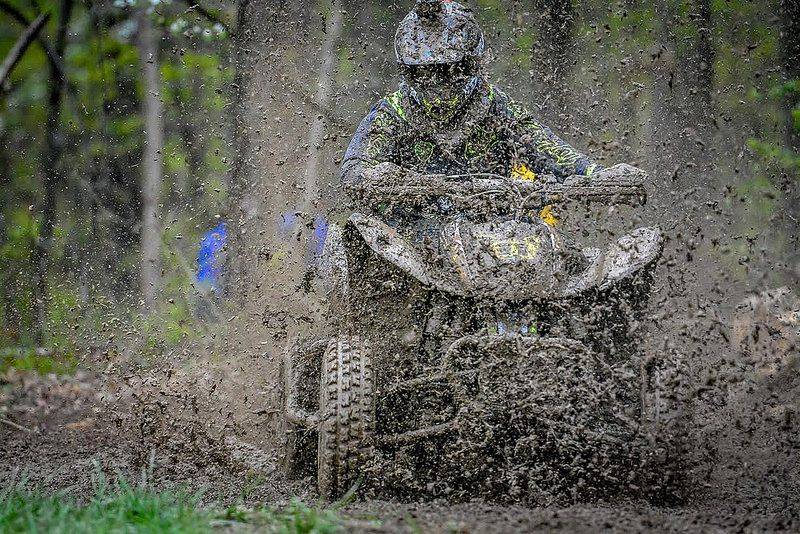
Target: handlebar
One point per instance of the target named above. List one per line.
(617, 189)
(621, 184)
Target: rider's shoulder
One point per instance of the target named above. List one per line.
(392, 104)
(384, 112)
(505, 105)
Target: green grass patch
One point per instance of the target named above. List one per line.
(297, 518)
(138, 509)
(28, 359)
(128, 509)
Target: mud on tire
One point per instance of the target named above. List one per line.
(347, 415)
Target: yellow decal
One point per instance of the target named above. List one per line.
(395, 101)
(548, 216)
(532, 245)
(515, 249)
(521, 172)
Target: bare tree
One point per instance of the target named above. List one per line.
(152, 160)
(790, 55)
(333, 31)
(240, 207)
(50, 171)
(553, 54)
(20, 18)
(22, 44)
(790, 52)
(705, 54)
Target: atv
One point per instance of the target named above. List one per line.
(471, 338)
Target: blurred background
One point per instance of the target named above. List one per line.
(114, 163)
(168, 167)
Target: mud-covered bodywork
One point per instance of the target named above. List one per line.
(444, 339)
(507, 260)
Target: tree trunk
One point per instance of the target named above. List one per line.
(790, 52)
(18, 50)
(238, 130)
(242, 205)
(333, 30)
(50, 175)
(705, 55)
(664, 121)
(790, 55)
(152, 162)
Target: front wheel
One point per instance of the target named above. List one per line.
(347, 415)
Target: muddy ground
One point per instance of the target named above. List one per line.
(59, 433)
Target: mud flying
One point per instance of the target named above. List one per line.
(442, 377)
(472, 344)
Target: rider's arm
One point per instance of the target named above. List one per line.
(542, 151)
(372, 144)
(371, 170)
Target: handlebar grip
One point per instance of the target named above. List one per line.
(622, 193)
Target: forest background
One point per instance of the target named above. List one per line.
(129, 128)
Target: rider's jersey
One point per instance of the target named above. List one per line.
(493, 135)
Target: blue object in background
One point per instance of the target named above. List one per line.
(210, 256)
(318, 238)
(287, 222)
(287, 225)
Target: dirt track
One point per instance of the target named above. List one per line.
(73, 429)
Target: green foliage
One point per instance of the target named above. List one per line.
(21, 234)
(16, 249)
(775, 154)
(773, 151)
(297, 518)
(346, 67)
(638, 23)
(100, 130)
(524, 42)
(31, 360)
(131, 509)
(140, 509)
(300, 519)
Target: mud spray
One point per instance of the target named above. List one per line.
(214, 416)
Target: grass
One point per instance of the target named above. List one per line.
(297, 519)
(137, 509)
(128, 509)
(29, 360)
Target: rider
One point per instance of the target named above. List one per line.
(447, 118)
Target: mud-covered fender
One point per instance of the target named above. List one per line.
(631, 253)
(628, 255)
(387, 243)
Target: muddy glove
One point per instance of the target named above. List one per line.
(622, 184)
(388, 183)
(623, 173)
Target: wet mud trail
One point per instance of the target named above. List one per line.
(57, 433)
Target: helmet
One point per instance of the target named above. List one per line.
(439, 46)
(438, 32)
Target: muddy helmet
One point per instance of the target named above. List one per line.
(438, 32)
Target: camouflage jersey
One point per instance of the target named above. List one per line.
(492, 135)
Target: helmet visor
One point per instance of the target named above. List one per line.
(440, 76)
